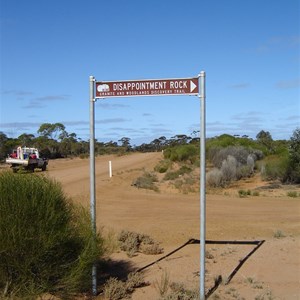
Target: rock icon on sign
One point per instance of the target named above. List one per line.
(103, 88)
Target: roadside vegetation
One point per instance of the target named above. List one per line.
(47, 245)
(116, 289)
(132, 242)
(229, 158)
(48, 248)
(168, 289)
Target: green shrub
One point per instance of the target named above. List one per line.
(182, 153)
(293, 170)
(275, 168)
(132, 242)
(84, 155)
(175, 174)
(46, 244)
(163, 166)
(115, 289)
(163, 285)
(244, 171)
(292, 194)
(255, 193)
(244, 193)
(146, 181)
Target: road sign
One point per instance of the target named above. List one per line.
(152, 87)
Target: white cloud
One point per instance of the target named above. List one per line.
(288, 84)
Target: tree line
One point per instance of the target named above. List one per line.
(53, 141)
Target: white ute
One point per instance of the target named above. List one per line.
(28, 158)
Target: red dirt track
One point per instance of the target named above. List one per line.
(172, 218)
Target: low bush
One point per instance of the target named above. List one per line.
(228, 168)
(275, 168)
(132, 242)
(244, 193)
(163, 166)
(292, 194)
(175, 174)
(278, 234)
(177, 291)
(187, 185)
(243, 172)
(115, 289)
(214, 178)
(146, 181)
(182, 153)
(84, 155)
(241, 154)
(47, 245)
(255, 193)
(231, 163)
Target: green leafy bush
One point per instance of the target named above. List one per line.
(163, 166)
(182, 153)
(146, 181)
(47, 245)
(175, 174)
(275, 167)
(293, 169)
(244, 193)
(292, 194)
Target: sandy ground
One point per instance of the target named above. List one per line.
(172, 218)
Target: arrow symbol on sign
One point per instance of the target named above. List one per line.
(192, 86)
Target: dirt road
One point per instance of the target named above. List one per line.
(272, 272)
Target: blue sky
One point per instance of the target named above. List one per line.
(250, 51)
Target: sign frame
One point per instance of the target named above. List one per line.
(201, 93)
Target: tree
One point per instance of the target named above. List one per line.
(180, 139)
(295, 146)
(293, 170)
(125, 143)
(26, 139)
(3, 145)
(52, 131)
(68, 144)
(265, 139)
(159, 143)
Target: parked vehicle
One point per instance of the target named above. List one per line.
(27, 158)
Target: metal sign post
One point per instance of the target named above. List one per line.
(92, 176)
(150, 87)
(202, 97)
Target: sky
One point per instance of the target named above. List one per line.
(250, 51)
